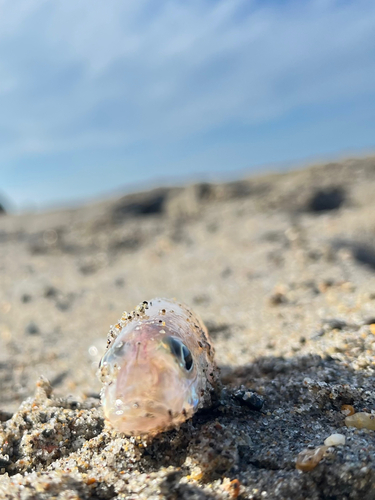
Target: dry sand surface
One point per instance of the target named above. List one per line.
(282, 270)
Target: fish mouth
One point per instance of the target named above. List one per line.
(144, 417)
(149, 394)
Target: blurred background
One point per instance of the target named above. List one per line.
(98, 98)
(130, 136)
(220, 152)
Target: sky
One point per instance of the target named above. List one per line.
(104, 96)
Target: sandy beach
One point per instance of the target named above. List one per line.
(280, 267)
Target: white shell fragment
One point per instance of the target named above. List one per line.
(335, 440)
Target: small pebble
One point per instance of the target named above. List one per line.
(248, 398)
(347, 410)
(335, 324)
(4, 462)
(50, 292)
(32, 329)
(308, 459)
(25, 298)
(277, 298)
(361, 420)
(335, 440)
(233, 488)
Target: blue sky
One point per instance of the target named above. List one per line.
(102, 96)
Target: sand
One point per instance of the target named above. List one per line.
(280, 267)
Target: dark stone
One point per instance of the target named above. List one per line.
(89, 266)
(277, 299)
(335, 324)
(364, 254)
(5, 415)
(32, 329)
(4, 462)
(249, 399)
(47, 433)
(327, 199)
(171, 482)
(140, 204)
(50, 292)
(25, 298)
(204, 191)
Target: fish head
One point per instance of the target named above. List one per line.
(151, 382)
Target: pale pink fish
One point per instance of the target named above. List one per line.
(158, 368)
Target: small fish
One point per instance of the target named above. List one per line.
(158, 369)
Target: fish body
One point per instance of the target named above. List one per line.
(158, 369)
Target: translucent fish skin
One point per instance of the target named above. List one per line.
(158, 368)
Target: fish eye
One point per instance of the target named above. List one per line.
(181, 352)
(187, 357)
